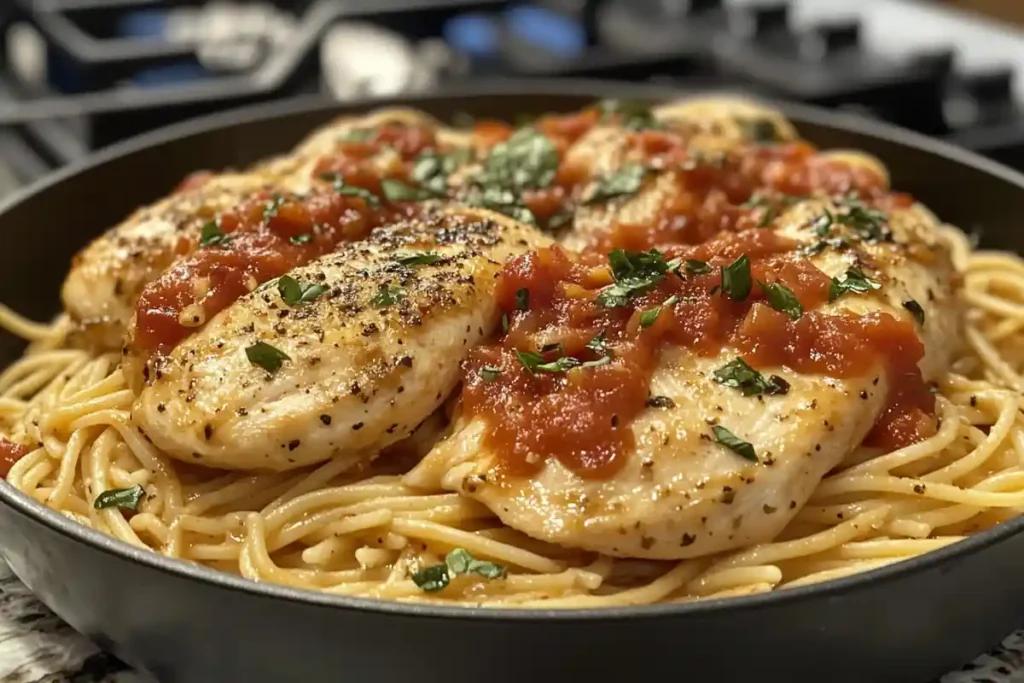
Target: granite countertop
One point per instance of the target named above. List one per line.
(37, 647)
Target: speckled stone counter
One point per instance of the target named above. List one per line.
(37, 647)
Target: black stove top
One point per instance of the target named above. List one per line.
(82, 74)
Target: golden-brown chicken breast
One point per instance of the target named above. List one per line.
(367, 347)
(725, 451)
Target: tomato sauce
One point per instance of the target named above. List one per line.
(10, 454)
(581, 414)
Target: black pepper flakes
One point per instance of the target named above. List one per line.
(293, 444)
(687, 539)
(326, 419)
(160, 407)
(357, 426)
(919, 489)
(208, 431)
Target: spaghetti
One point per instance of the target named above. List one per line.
(365, 533)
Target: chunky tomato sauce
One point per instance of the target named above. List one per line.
(10, 453)
(568, 375)
(269, 235)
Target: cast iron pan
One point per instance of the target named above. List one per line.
(183, 623)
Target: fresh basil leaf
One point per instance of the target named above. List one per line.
(739, 375)
(781, 298)
(870, 224)
(266, 356)
(397, 191)
(563, 364)
(625, 181)
(271, 207)
(635, 273)
(696, 267)
(736, 280)
(387, 295)
(433, 578)
(853, 281)
(916, 310)
(598, 344)
(650, 316)
(735, 444)
(760, 130)
(460, 562)
(212, 236)
(526, 161)
(304, 238)
(503, 201)
(417, 258)
(295, 293)
(350, 190)
(523, 299)
(489, 373)
(822, 225)
(126, 499)
(432, 169)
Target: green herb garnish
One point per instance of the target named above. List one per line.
(126, 499)
(853, 281)
(526, 161)
(431, 169)
(736, 281)
(735, 444)
(696, 267)
(523, 299)
(750, 382)
(304, 238)
(650, 316)
(350, 190)
(417, 258)
(212, 236)
(387, 295)
(635, 273)
(458, 562)
(266, 356)
(781, 298)
(489, 373)
(625, 181)
(633, 115)
(760, 130)
(397, 191)
(295, 293)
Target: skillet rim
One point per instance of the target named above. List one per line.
(280, 109)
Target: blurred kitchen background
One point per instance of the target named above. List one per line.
(81, 74)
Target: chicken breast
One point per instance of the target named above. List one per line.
(302, 160)
(107, 276)
(681, 493)
(370, 355)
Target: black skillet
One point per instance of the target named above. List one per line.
(184, 623)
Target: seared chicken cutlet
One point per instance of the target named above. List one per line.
(697, 412)
(347, 356)
(109, 274)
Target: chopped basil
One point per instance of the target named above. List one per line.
(635, 273)
(697, 267)
(760, 130)
(504, 323)
(431, 169)
(387, 295)
(501, 200)
(397, 191)
(458, 562)
(126, 499)
(526, 161)
(295, 293)
(781, 298)
(552, 346)
(266, 356)
(523, 299)
(624, 181)
(271, 207)
(417, 258)
(916, 310)
(634, 115)
(750, 382)
(489, 373)
(304, 238)
(433, 578)
(598, 343)
(562, 218)
(822, 225)
(736, 281)
(735, 444)
(534, 362)
(603, 360)
(650, 316)
(869, 224)
(853, 281)
(350, 190)
(212, 235)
